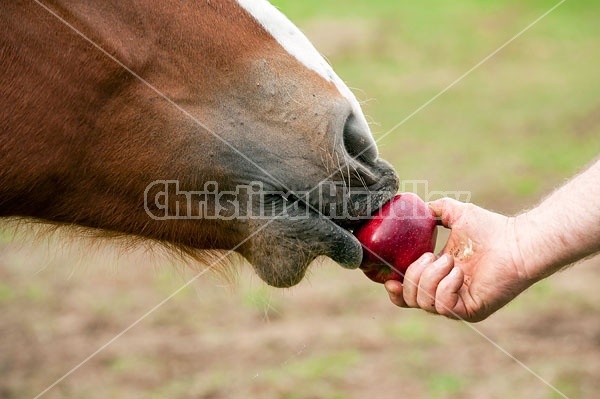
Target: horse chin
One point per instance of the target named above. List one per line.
(282, 249)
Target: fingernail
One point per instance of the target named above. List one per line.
(433, 208)
(427, 258)
(443, 261)
(392, 288)
(454, 272)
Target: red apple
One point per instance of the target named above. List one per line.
(399, 233)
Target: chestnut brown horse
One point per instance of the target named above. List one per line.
(102, 99)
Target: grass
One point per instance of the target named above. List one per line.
(331, 365)
(322, 373)
(445, 385)
(413, 330)
(259, 300)
(7, 293)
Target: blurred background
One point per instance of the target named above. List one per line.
(509, 132)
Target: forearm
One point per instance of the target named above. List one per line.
(564, 228)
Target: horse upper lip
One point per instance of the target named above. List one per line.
(356, 204)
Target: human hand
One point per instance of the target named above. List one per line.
(480, 269)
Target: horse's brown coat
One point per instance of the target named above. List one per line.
(81, 137)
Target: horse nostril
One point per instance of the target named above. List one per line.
(358, 140)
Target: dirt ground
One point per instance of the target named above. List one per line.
(334, 336)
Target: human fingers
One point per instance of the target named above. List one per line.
(412, 277)
(395, 290)
(447, 294)
(429, 281)
(448, 210)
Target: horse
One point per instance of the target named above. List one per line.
(123, 118)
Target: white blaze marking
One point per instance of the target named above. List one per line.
(295, 43)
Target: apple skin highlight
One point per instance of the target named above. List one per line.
(399, 233)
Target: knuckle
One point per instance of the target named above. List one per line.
(443, 309)
(425, 301)
(410, 302)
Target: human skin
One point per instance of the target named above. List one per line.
(491, 258)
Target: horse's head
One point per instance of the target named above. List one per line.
(232, 99)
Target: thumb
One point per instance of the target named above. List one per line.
(446, 210)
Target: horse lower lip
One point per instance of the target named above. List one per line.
(339, 243)
(282, 252)
(288, 246)
(348, 253)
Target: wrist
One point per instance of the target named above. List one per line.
(534, 259)
(545, 242)
(564, 228)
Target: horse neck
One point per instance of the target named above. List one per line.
(55, 84)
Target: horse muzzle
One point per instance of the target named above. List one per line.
(304, 226)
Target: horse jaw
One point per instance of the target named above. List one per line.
(282, 253)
